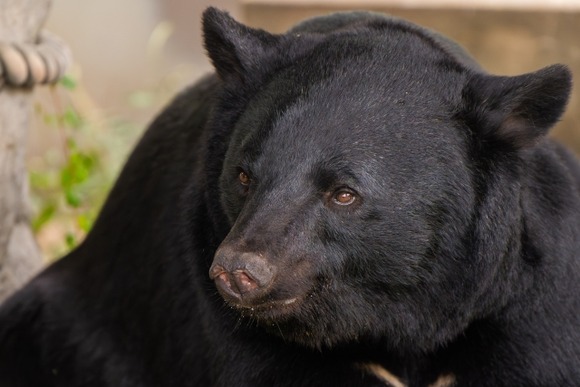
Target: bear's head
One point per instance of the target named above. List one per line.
(366, 172)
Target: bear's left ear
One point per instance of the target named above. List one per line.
(236, 51)
(516, 111)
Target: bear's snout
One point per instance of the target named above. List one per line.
(241, 277)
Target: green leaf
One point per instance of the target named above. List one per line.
(68, 83)
(72, 119)
(84, 222)
(78, 169)
(66, 177)
(45, 215)
(73, 198)
(40, 181)
(70, 240)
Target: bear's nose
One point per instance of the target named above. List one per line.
(241, 278)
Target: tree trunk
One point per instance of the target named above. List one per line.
(20, 258)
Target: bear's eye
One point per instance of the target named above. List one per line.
(344, 197)
(244, 178)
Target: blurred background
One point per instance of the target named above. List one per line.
(132, 56)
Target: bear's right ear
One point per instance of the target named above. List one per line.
(236, 51)
(516, 112)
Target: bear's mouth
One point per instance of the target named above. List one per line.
(283, 305)
(271, 309)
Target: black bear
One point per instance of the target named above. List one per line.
(352, 203)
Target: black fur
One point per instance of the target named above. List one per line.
(458, 255)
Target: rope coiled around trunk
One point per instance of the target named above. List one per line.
(26, 65)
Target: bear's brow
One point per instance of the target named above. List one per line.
(327, 175)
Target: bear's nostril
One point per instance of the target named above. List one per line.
(225, 279)
(216, 271)
(237, 284)
(244, 282)
(234, 283)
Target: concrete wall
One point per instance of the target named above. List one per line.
(119, 47)
(114, 48)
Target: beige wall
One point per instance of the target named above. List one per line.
(118, 51)
(111, 43)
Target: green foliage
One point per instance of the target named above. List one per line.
(68, 188)
(83, 148)
(82, 151)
